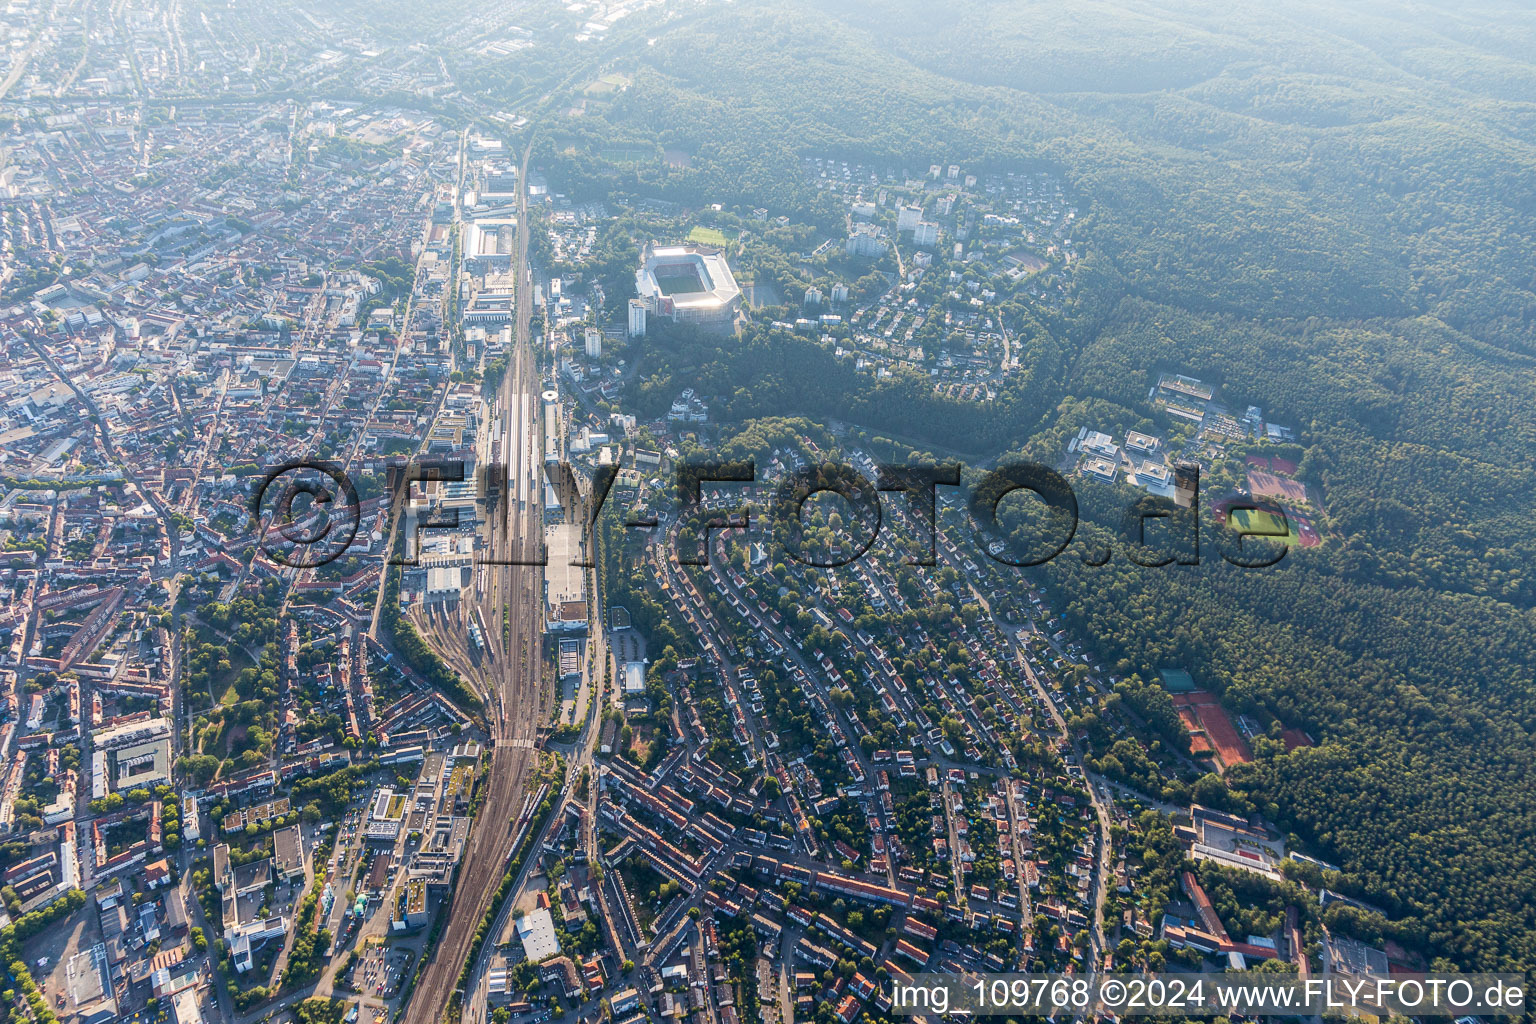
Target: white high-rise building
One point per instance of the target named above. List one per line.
(925, 232)
(636, 318)
(593, 343)
(867, 241)
(907, 217)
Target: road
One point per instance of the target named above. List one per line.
(20, 63)
(172, 532)
(1102, 866)
(193, 496)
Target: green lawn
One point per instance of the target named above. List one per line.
(708, 236)
(679, 284)
(222, 686)
(1267, 524)
(606, 84)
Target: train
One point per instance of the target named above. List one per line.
(477, 631)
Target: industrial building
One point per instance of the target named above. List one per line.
(565, 585)
(489, 244)
(536, 931)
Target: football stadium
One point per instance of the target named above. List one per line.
(689, 283)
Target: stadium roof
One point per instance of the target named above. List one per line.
(690, 276)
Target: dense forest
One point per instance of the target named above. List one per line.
(1325, 210)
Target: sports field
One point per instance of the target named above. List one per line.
(708, 236)
(679, 281)
(1268, 524)
(1205, 719)
(1264, 484)
(607, 84)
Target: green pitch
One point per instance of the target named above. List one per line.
(1268, 524)
(708, 236)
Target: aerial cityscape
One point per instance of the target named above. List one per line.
(672, 511)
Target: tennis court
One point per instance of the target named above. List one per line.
(1207, 720)
(1264, 484)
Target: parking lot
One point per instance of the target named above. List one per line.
(378, 970)
(58, 945)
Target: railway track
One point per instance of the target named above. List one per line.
(507, 677)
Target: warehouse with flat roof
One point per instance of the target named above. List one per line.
(536, 931)
(565, 585)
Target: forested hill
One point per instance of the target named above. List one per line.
(1293, 141)
(1327, 210)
